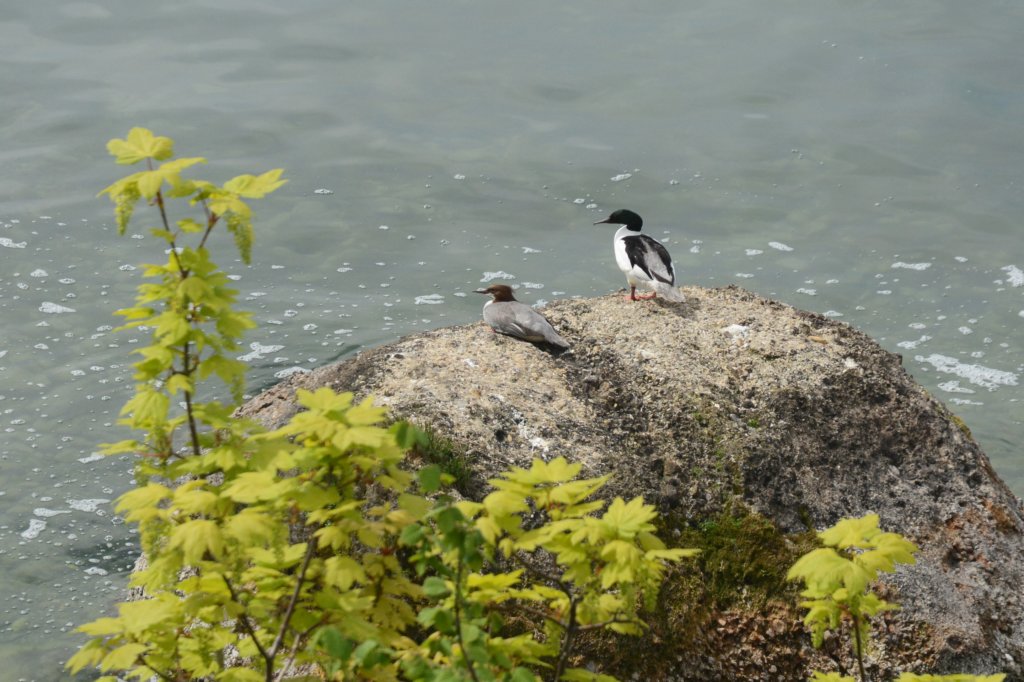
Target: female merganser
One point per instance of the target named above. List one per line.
(508, 316)
(643, 259)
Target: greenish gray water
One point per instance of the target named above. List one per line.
(857, 159)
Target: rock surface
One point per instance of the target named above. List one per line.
(732, 398)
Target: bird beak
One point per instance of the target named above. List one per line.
(606, 220)
(480, 291)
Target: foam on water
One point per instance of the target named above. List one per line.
(90, 505)
(1014, 275)
(910, 266)
(779, 246)
(954, 387)
(986, 377)
(44, 513)
(258, 351)
(285, 373)
(35, 527)
(500, 274)
(54, 308)
(914, 344)
(429, 299)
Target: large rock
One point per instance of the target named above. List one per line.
(726, 402)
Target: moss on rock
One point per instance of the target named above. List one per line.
(746, 422)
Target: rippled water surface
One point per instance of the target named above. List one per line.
(862, 160)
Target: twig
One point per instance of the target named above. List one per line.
(189, 410)
(546, 615)
(295, 646)
(598, 626)
(570, 632)
(300, 579)
(211, 220)
(458, 618)
(859, 648)
(244, 620)
(539, 573)
(162, 676)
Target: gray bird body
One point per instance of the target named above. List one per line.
(508, 316)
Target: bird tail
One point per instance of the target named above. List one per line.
(667, 291)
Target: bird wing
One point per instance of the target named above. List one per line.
(651, 257)
(520, 320)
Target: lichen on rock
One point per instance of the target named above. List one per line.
(730, 406)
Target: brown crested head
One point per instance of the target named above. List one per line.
(499, 292)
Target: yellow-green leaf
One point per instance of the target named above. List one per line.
(852, 532)
(138, 616)
(250, 527)
(252, 486)
(255, 186)
(123, 657)
(88, 656)
(240, 675)
(102, 627)
(140, 144)
(343, 571)
(195, 538)
(149, 495)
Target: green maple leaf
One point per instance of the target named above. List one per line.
(255, 186)
(140, 144)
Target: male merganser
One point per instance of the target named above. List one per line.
(643, 259)
(508, 316)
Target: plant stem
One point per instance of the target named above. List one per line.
(244, 620)
(211, 220)
(161, 675)
(192, 428)
(458, 617)
(295, 645)
(859, 648)
(300, 578)
(567, 637)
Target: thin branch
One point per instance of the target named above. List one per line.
(541, 574)
(211, 220)
(606, 623)
(570, 632)
(540, 613)
(458, 618)
(193, 429)
(859, 647)
(167, 226)
(295, 645)
(244, 620)
(162, 676)
(300, 579)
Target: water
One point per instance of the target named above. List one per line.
(857, 159)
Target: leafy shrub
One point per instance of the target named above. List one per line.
(312, 550)
(837, 580)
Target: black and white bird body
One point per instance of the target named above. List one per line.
(508, 316)
(644, 260)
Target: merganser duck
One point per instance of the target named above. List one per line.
(643, 259)
(508, 316)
